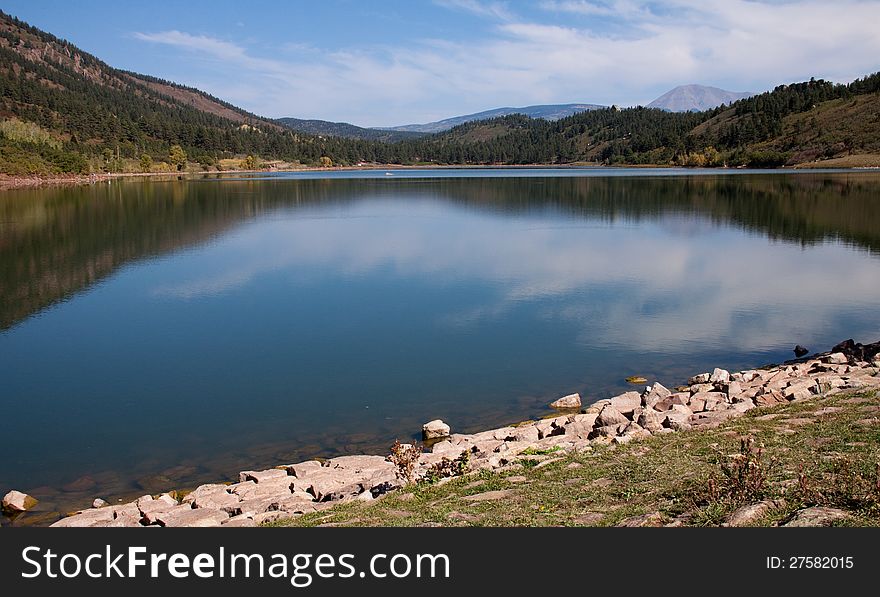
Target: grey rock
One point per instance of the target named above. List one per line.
(99, 503)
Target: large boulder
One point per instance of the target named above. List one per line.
(570, 401)
(16, 501)
(435, 429)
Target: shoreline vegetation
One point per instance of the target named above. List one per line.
(7, 182)
(783, 445)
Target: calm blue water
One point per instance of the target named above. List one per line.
(170, 333)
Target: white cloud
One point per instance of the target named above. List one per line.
(566, 51)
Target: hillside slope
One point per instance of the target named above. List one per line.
(545, 112)
(67, 111)
(345, 130)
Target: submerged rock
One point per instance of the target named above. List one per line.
(800, 351)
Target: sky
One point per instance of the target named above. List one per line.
(394, 62)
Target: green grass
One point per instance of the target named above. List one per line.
(830, 460)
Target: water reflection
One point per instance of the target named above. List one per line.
(190, 329)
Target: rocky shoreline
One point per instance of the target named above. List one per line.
(292, 490)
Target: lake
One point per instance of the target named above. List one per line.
(160, 334)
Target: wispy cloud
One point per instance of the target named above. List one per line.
(564, 51)
(495, 10)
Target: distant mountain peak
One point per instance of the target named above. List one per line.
(696, 98)
(546, 112)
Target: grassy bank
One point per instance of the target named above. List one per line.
(818, 452)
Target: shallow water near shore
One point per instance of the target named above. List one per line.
(163, 334)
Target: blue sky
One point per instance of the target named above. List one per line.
(382, 63)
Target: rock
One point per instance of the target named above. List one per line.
(608, 431)
(654, 519)
(702, 388)
(152, 516)
(99, 503)
(204, 490)
(800, 390)
(657, 393)
(217, 501)
(627, 402)
(197, 517)
(743, 406)
(486, 496)
(836, 358)
(301, 469)
(676, 421)
(746, 515)
(570, 401)
(710, 420)
(596, 407)
(817, 516)
(611, 416)
(258, 476)
(652, 421)
(240, 521)
(699, 379)
(435, 429)
(267, 517)
(636, 379)
(16, 501)
(589, 519)
(769, 399)
(708, 400)
(719, 376)
(86, 518)
(732, 389)
(672, 400)
(528, 433)
(800, 351)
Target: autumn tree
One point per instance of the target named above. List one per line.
(177, 157)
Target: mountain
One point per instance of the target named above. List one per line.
(696, 98)
(345, 130)
(545, 112)
(64, 110)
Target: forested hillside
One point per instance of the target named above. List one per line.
(63, 110)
